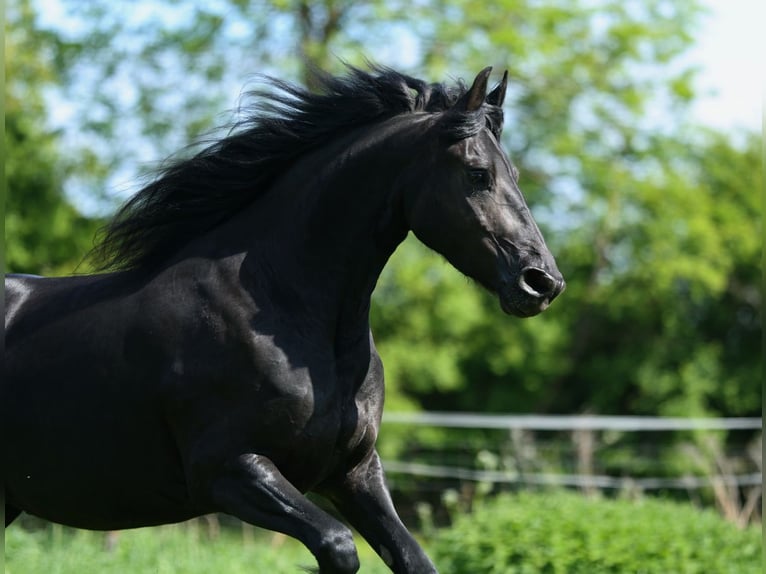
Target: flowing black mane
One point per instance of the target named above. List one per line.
(285, 122)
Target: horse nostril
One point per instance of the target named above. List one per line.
(537, 282)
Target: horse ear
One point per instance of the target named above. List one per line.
(497, 96)
(474, 98)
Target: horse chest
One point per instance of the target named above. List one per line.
(329, 417)
(328, 409)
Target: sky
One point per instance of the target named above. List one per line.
(731, 49)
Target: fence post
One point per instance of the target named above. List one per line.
(585, 445)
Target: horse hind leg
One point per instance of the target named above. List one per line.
(255, 491)
(11, 514)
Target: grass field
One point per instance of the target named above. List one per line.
(174, 549)
(553, 532)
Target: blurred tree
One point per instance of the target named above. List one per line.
(581, 72)
(44, 232)
(646, 215)
(661, 315)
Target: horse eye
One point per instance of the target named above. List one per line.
(479, 178)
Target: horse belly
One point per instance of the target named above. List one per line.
(88, 460)
(100, 482)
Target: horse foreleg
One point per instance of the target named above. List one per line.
(363, 499)
(255, 491)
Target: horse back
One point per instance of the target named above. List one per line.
(18, 288)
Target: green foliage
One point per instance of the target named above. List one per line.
(442, 337)
(559, 532)
(44, 233)
(578, 69)
(666, 300)
(660, 315)
(536, 533)
(176, 549)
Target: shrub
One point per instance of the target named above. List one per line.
(562, 532)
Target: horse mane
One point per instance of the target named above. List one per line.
(191, 196)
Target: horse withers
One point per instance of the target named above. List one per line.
(223, 360)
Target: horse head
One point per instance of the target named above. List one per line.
(471, 210)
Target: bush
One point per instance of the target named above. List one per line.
(561, 532)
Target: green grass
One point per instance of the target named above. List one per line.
(174, 549)
(526, 533)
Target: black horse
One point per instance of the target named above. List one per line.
(223, 361)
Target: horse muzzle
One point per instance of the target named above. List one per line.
(530, 292)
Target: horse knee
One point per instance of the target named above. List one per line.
(337, 553)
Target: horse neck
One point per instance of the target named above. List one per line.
(327, 228)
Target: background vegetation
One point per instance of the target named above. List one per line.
(188, 548)
(534, 533)
(530, 533)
